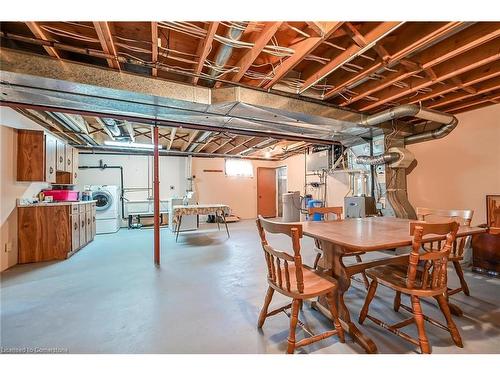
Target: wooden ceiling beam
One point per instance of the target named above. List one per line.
(172, 138)
(204, 49)
(193, 135)
(301, 50)
(492, 98)
(350, 53)
(106, 40)
(488, 53)
(447, 49)
(480, 89)
(154, 47)
(249, 57)
(39, 34)
(247, 145)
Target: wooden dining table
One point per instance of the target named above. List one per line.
(339, 238)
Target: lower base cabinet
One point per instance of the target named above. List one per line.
(54, 232)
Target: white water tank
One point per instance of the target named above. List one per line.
(291, 206)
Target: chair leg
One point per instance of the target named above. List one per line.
(369, 297)
(263, 312)
(397, 301)
(420, 322)
(293, 325)
(460, 274)
(455, 334)
(330, 298)
(316, 261)
(363, 274)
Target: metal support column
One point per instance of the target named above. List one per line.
(156, 197)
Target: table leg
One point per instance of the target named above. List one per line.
(178, 228)
(333, 265)
(225, 223)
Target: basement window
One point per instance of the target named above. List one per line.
(239, 168)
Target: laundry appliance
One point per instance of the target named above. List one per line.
(107, 199)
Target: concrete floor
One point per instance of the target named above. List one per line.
(205, 298)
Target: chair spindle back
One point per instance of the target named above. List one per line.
(278, 262)
(427, 270)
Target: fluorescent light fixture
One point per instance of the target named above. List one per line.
(131, 144)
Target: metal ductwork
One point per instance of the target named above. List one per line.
(224, 52)
(117, 129)
(449, 122)
(389, 157)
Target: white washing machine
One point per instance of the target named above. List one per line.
(107, 208)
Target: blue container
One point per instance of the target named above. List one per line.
(315, 203)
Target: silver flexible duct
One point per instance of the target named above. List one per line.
(386, 158)
(449, 122)
(225, 51)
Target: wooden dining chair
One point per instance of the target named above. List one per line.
(288, 276)
(337, 212)
(424, 276)
(464, 217)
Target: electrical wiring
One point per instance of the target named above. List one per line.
(334, 45)
(298, 31)
(68, 34)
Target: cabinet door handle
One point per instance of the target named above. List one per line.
(61, 159)
(88, 221)
(93, 219)
(75, 174)
(51, 170)
(76, 225)
(69, 161)
(83, 223)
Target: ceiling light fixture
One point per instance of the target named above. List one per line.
(131, 145)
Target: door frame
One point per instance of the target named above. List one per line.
(275, 190)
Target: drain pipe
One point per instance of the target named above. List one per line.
(224, 52)
(449, 122)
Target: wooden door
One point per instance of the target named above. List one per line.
(83, 237)
(75, 166)
(266, 192)
(61, 156)
(50, 158)
(68, 167)
(75, 232)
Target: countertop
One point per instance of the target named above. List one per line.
(44, 204)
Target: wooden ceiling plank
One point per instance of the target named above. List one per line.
(154, 47)
(204, 49)
(301, 50)
(106, 40)
(350, 53)
(317, 27)
(38, 32)
(447, 49)
(454, 67)
(249, 57)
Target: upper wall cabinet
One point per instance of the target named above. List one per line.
(42, 157)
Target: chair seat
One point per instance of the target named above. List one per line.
(394, 277)
(316, 283)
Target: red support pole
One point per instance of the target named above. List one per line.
(156, 197)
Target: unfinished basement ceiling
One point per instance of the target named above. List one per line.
(365, 66)
(92, 133)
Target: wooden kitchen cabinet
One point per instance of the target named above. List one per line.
(68, 166)
(75, 163)
(54, 231)
(60, 156)
(42, 157)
